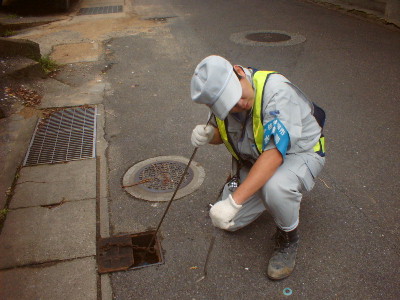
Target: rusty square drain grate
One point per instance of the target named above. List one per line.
(63, 135)
(119, 253)
(100, 10)
(115, 254)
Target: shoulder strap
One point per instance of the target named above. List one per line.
(224, 136)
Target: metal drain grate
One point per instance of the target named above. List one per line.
(64, 135)
(100, 10)
(163, 176)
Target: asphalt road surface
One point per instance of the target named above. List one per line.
(349, 223)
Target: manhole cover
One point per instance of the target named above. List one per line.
(267, 38)
(156, 179)
(163, 176)
(63, 135)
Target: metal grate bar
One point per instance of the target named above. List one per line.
(65, 135)
(100, 10)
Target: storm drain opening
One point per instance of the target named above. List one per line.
(156, 179)
(100, 10)
(132, 251)
(63, 135)
(267, 38)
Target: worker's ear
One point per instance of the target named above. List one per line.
(239, 70)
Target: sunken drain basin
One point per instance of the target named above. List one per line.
(132, 251)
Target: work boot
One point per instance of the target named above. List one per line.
(282, 262)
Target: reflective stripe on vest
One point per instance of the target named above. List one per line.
(224, 136)
(320, 146)
(260, 79)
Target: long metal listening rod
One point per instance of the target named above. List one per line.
(210, 248)
(176, 190)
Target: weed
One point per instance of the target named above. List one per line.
(48, 64)
(3, 213)
(7, 33)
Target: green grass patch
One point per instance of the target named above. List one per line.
(3, 214)
(48, 64)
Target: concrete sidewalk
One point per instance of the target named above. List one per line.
(56, 212)
(49, 238)
(48, 241)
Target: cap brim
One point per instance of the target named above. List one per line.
(228, 99)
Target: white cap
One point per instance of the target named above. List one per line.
(215, 84)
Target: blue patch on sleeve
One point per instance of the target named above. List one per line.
(274, 113)
(281, 136)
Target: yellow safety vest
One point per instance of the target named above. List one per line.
(259, 78)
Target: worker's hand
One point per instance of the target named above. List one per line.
(223, 212)
(202, 134)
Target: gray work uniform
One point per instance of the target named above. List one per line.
(282, 193)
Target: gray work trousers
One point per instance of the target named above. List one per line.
(281, 194)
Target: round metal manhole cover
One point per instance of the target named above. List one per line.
(267, 38)
(163, 176)
(156, 179)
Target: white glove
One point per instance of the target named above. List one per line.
(223, 212)
(202, 134)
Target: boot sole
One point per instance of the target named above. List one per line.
(281, 277)
(277, 279)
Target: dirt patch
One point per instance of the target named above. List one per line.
(29, 112)
(76, 52)
(86, 29)
(16, 95)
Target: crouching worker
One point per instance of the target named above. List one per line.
(275, 135)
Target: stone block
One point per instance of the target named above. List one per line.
(73, 280)
(19, 47)
(54, 183)
(38, 234)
